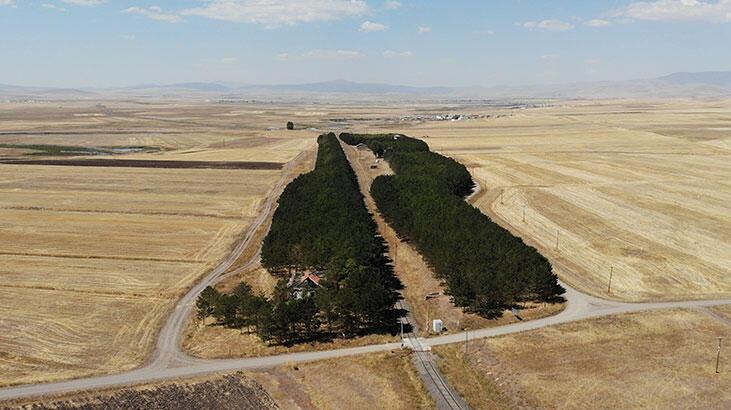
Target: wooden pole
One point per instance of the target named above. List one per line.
(523, 213)
(718, 353)
(556, 239)
(609, 286)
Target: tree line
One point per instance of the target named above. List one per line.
(321, 225)
(486, 269)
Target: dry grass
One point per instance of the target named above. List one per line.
(208, 341)
(640, 187)
(92, 259)
(373, 381)
(662, 359)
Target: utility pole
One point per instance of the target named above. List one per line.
(557, 239)
(523, 213)
(466, 339)
(501, 196)
(718, 353)
(609, 286)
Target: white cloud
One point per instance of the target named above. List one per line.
(592, 61)
(130, 37)
(550, 57)
(549, 25)
(424, 29)
(392, 5)
(369, 26)
(49, 6)
(678, 10)
(9, 3)
(483, 32)
(397, 54)
(229, 60)
(274, 13)
(598, 23)
(154, 13)
(329, 55)
(85, 3)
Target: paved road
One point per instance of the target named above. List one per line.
(169, 362)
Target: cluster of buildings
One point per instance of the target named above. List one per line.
(448, 117)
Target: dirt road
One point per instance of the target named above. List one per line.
(169, 361)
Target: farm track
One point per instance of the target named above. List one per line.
(169, 361)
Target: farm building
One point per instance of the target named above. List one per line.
(306, 285)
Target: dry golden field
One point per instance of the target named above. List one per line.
(372, 381)
(93, 258)
(661, 359)
(640, 188)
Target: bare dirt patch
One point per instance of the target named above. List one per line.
(140, 163)
(232, 391)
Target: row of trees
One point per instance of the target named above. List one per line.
(321, 225)
(486, 269)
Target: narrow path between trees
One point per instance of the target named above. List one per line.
(445, 396)
(169, 362)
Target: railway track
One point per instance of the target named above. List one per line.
(169, 362)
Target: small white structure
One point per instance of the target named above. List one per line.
(437, 325)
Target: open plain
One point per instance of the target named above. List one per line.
(92, 259)
(662, 359)
(638, 190)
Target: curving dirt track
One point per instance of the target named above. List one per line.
(169, 361)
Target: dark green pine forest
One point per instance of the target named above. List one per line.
(321, 225)
(485, 267)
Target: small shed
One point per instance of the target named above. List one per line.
(437, 325)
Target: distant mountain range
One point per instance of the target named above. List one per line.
(714, 78)
(676, 85)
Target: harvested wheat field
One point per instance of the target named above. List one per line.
(637, 189)
(661, 359)
(372, 381)
(93, 258)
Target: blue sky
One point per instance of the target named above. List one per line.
(97, 43)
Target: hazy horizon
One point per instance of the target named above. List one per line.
(101, 44)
